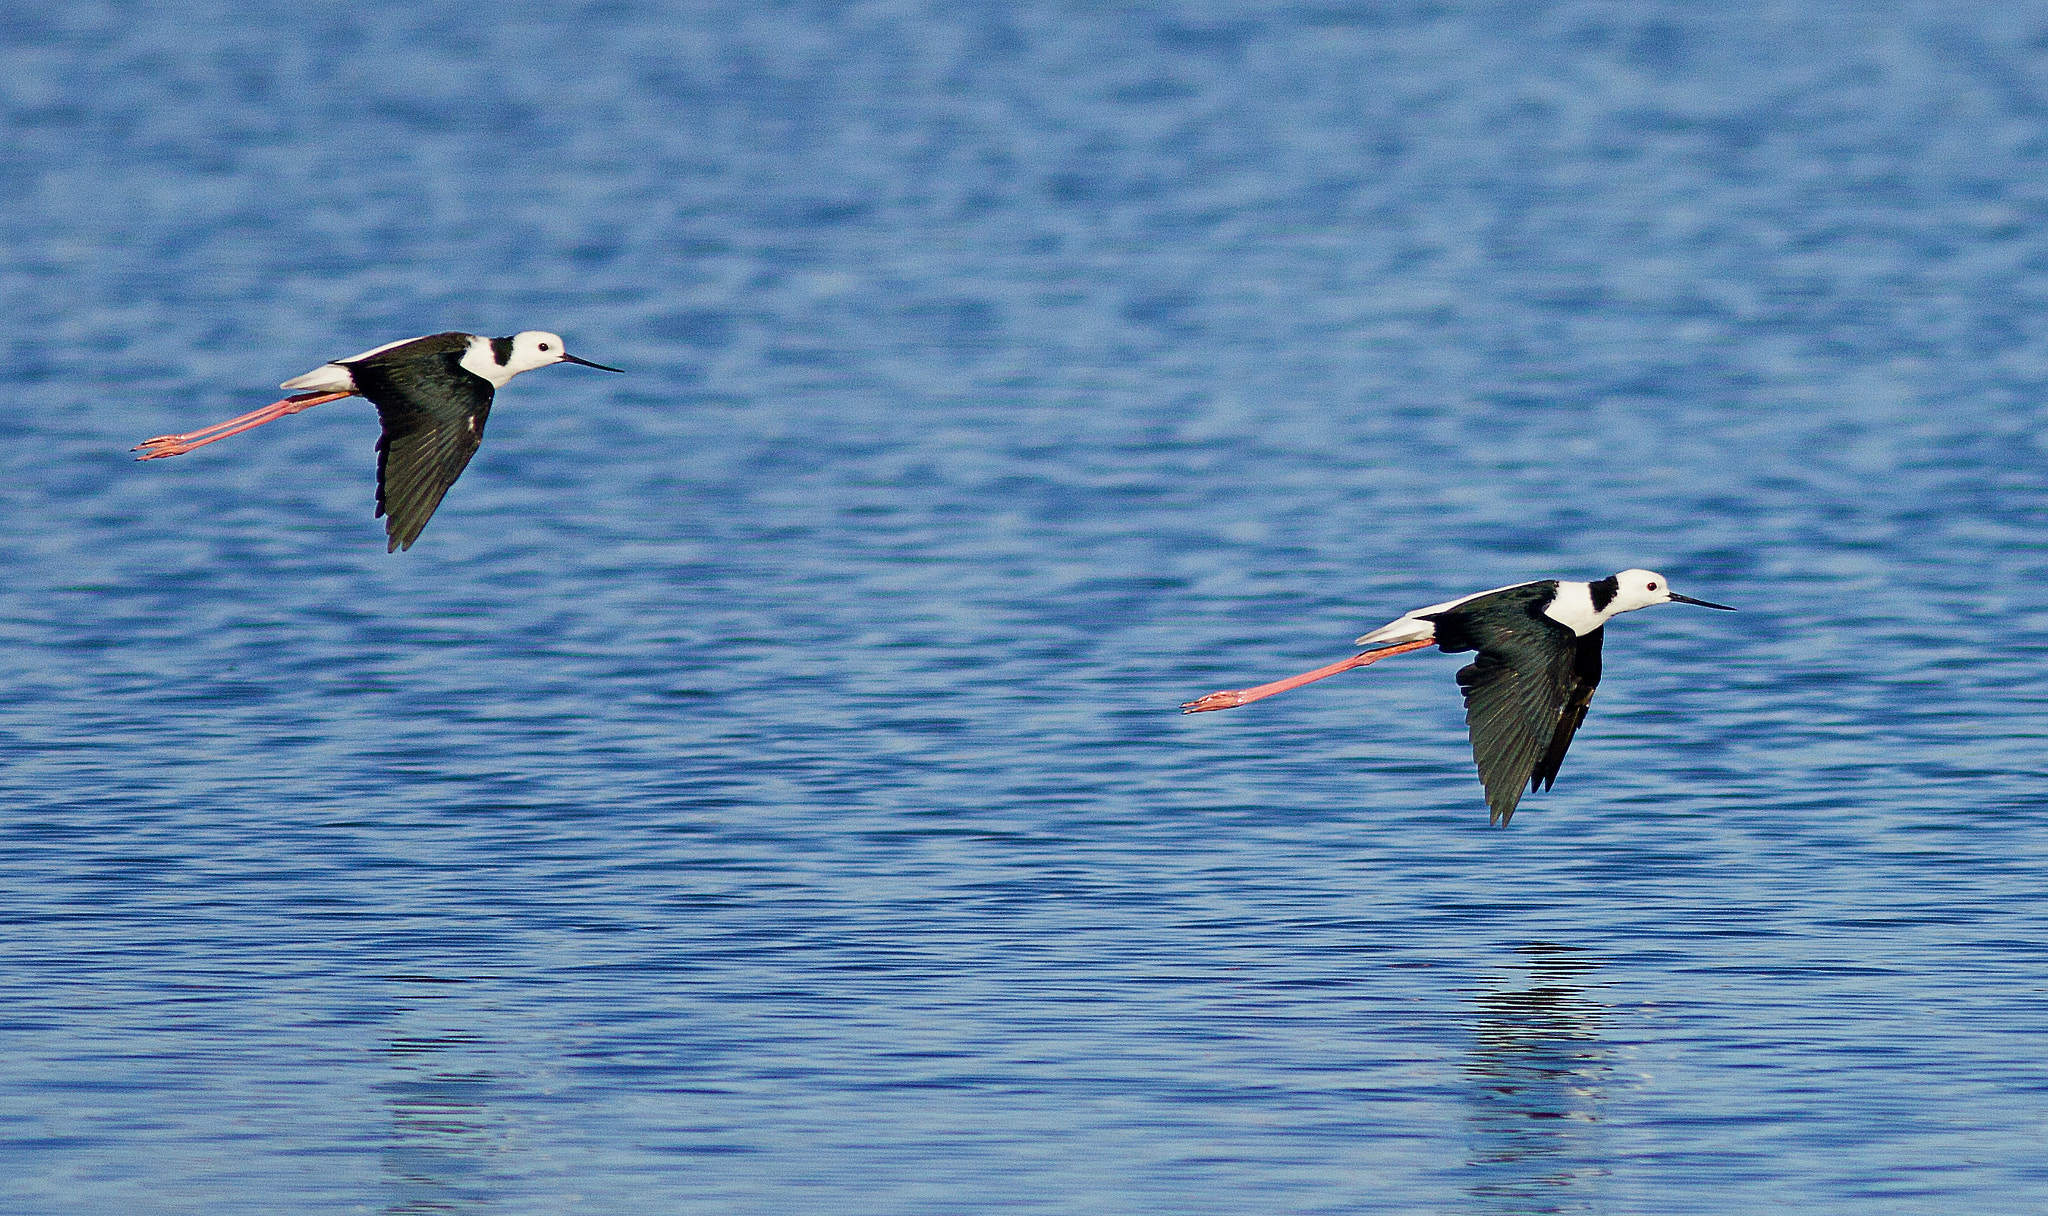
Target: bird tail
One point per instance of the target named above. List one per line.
(1395, 632)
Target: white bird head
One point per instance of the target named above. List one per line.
(538, 348)
(1642, 588)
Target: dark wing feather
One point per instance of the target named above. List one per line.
(1578, 699)
(434, 414)
(1518, 693)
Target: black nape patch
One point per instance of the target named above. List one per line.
(1604, 590)
(501, 350)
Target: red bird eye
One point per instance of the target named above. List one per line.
(1653, 586)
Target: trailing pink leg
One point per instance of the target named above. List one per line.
(1244, 696)
(178, 445)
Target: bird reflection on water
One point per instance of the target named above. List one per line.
(1537, 1077)
(445, 1136)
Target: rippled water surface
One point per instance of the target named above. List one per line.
(760, 791)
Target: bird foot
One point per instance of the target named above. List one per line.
(163, 445)
(1215, 700)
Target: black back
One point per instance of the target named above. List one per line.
(1527, 692)
(433, 413)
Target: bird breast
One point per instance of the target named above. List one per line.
(1572, 607)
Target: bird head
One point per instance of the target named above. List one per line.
(538, 348)
(1642, 588)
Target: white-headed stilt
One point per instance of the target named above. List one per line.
(1527, 692)
(433, 395)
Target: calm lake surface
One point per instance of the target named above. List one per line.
(761, 790)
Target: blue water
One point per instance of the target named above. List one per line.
(760, 791)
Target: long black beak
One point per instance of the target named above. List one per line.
(1686, 599)
(569, 358)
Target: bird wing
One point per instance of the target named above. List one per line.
(434, 413)
(1523, 695)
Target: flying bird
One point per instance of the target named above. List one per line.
(433, 395)
(1528, 691)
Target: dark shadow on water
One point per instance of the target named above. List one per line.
(1536, 1080)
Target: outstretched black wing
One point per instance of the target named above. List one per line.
(434, 413)
(1526, 693)
(1578, 699)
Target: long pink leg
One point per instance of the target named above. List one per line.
(178, 445)
(1244, 696)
